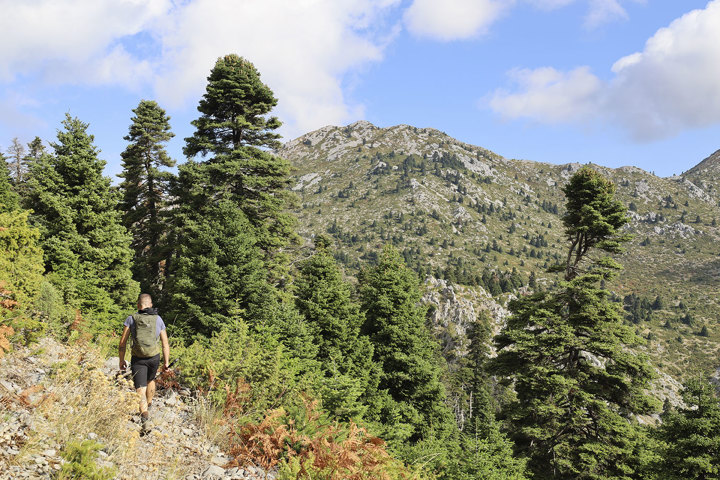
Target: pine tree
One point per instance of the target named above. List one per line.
(145, 191)
(86, 247)
(334, 319)
(218, 273)
(692, 435)
(8, 198)
(16, 153)
(569, 353)
(21, 259)
(36, 149)
(404, 349)
(235, 133)
(488, 456)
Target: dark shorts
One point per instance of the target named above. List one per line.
(144, 369)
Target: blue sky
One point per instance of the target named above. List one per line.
(613, 82)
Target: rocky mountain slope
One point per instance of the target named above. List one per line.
(470, 217)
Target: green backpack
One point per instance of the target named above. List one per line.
(145, 338)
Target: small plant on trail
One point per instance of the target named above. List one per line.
(81, 462)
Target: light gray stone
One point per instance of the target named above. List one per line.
(112, 364)
(213, 471)
(9, 386)
(220, 460)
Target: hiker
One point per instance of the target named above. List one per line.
(148, 332)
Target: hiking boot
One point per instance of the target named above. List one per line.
(144, 423)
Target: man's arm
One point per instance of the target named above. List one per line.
(165, 349)
(121, 349)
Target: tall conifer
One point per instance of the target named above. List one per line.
(692, 434)
(235, 133)
(334, 319)
(404, 349)
(238, 182)
(8, 197)
(145, 190)
(570, 356)
(86, 247)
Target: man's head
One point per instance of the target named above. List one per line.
(144, 301)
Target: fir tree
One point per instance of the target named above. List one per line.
(21, 259)
(218, 273)
(404, 349)
(334, 320)
(16, 153)
(86, 247)
(569, 354)
(36, 149)
(488, 456)
(692, 435)
(8, 198)
(145, 192)
(235, 133)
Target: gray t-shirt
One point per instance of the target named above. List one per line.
(159, 324)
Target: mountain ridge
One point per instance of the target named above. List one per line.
(467, 215)
(713, 159)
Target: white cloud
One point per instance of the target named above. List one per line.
(599, 12)
(453, 19)
(672, 85)
(59, 38)
(604, 11)
(550, 96)
(303, 49)
(465, 19)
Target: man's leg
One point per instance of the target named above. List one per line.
(150, 392)
(142, 397)
(140, 374)
(152, 368)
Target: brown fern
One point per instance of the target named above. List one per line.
(6, 331)
(340, 452)
(167, 380)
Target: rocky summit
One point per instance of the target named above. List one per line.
(490, 227)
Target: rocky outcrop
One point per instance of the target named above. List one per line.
(455, 307)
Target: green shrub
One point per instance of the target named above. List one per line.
(234, 357)
(81, 462)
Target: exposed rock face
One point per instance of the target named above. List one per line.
(455, 307)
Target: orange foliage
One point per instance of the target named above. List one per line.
(6, 300)
(167, 379)
(77, 323)
(6, 332)
(341, 452)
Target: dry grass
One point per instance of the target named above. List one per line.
(211, 422)
(81, 400)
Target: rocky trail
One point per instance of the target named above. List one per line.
(52, 395)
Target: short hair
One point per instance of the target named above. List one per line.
(145, 300)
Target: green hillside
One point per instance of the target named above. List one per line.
(466, 215)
